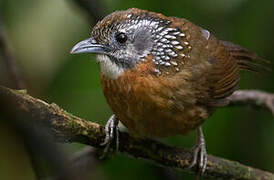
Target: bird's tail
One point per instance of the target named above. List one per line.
(247, 60)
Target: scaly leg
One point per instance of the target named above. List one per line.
(199, 151)
(112, 131)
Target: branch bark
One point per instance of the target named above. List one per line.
(66, 127)
(253, 97)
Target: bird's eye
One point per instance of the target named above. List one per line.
(121, 37)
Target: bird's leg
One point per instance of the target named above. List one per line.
(199, 151)
(112, 131)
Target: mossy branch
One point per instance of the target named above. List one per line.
(66, 127)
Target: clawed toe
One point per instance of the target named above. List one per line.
(112, 132)
(199, 153)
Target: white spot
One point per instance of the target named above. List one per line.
(129, 15)
(182, 34)
(183, 55)
(173, 54)
(164, 57)
(159, 28)
(177, 69)
(162, 62)
(206, 33)
(186, 43)
(167, 64)
(109, 68)
(174, 63)
(171, 29)
(164, 40)
(157, 71)
(170, 37)
(179, 47)
(176, 33)
(93, 41)
(175, 42)
(167, 58)
(164, 33)
(159, 44)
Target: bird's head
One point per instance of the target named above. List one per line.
(124, 39)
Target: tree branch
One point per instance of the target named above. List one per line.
(68, 128)
(253, 97)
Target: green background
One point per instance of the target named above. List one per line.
(42, 32)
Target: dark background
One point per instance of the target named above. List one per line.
(42, 34)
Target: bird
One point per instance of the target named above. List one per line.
(163, 76)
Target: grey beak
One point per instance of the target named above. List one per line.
(89, 46)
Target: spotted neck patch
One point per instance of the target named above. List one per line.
(170, 51)
(170, 48)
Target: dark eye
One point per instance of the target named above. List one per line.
(121, 37)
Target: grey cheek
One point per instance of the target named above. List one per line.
(142, 41)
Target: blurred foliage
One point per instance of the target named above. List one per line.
(43, 32)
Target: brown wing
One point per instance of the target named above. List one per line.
(222, 76)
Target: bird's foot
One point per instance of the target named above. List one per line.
(112, 133)
(199, 153)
